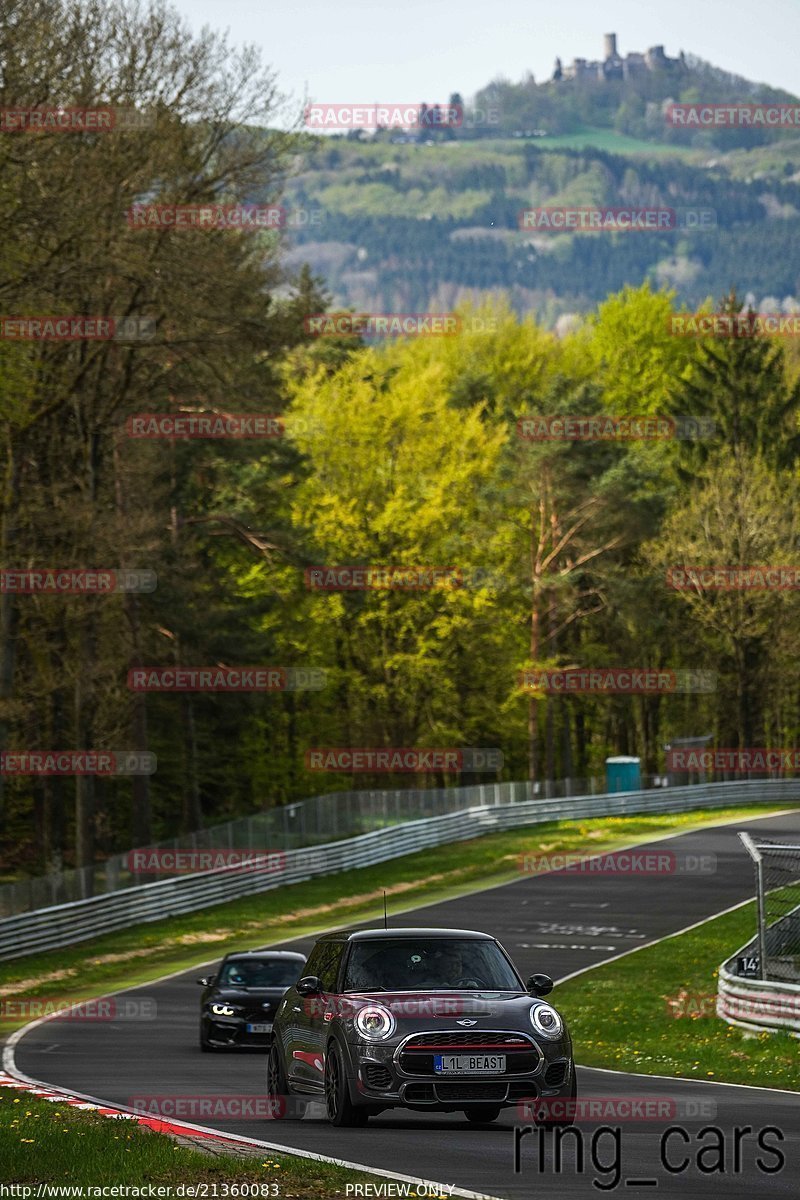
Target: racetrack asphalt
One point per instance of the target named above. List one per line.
(558, 923)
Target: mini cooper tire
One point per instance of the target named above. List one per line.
(340, 1108)
(482, 1114)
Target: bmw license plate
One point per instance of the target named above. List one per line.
(469, 1064)
(262, 1027)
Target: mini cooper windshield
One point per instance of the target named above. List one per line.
(432, 964)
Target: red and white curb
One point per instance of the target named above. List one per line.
(46, 1092)
(225, 1142)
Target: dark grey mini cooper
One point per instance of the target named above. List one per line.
(425, 1019)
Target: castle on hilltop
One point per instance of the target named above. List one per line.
(614, 66)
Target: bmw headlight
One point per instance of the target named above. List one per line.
(223, 1010)
(546, 1021)
(375, 1022)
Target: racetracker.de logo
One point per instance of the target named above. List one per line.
(104, 1008)
(755, 760)
(640, 681)
(568, 427)
(76, 329)
(73, 120)
(169, 427)
(217, 1107)
(206, 216)
(733, 579)
(622, 862)
(586, 218)
(384, 578)
(733, 116)
(156, 860)
(383, 116)
(409, 760)
(420, 1004)
(615, 1109)
(226, 679)
(366, 324)
(55, 581)
(734, 325)
(77, 762)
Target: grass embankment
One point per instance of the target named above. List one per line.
(144, 952)
(44, 1141)
(653, 1012)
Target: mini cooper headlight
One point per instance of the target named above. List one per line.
(223, 1010)
(546, 1021)
(375, 1022)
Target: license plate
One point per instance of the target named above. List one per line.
(263, 1027)
(469, 1064)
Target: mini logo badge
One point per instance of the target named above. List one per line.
(466, 1021)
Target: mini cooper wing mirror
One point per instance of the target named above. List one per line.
(206, 980)
(539, 985)
(309, 985)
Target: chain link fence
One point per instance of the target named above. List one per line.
(777, 946)
(314, 822)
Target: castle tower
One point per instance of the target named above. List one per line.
(609, 45)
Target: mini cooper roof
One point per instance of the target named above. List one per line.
(359, 935)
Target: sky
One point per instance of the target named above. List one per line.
(357, 51)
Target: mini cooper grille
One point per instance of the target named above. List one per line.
(470, 1091)
(377, 1076)
(555, 1074)
(417, 1056)
(475, 1039)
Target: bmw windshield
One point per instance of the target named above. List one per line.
(429, 964)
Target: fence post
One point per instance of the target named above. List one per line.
(754, 852)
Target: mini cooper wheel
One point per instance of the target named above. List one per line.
(341, 1110)
(482, 1114)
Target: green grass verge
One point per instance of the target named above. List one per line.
(652, 1012)
(144, 952)
(44, 1141)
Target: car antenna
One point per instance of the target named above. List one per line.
(385, 921)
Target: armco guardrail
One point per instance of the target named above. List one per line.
(65, 924)
(759, 1005)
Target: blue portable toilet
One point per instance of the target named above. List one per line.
(623, 774)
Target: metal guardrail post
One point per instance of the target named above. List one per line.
(755, 854)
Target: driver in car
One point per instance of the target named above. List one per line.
(451, 968)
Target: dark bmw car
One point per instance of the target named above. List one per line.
(435, 1020)
(238, 1004)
